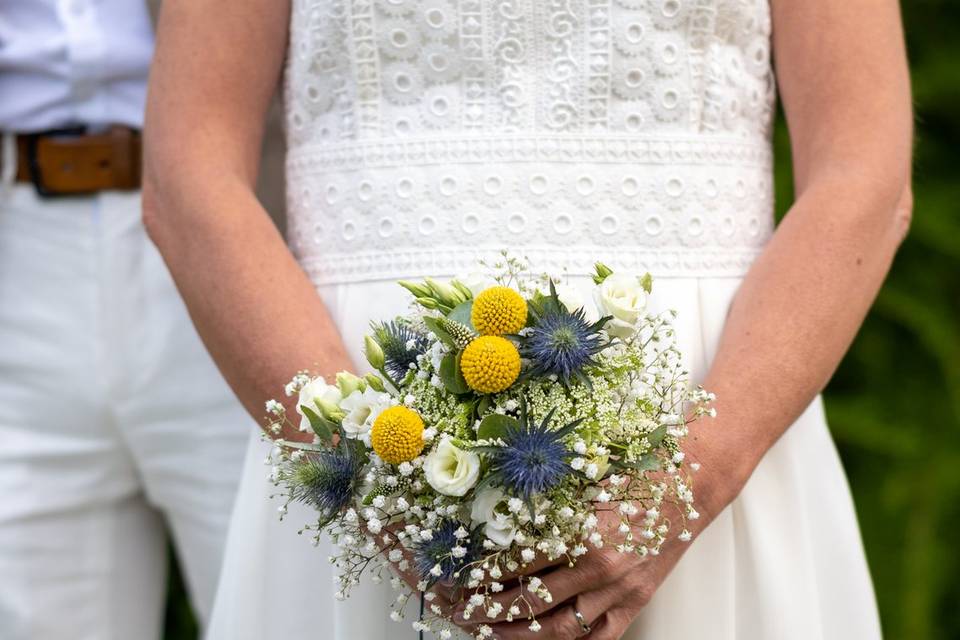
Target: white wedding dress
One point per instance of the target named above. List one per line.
(425, 134)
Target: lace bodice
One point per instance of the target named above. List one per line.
(424, 132)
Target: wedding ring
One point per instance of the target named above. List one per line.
(583, 623)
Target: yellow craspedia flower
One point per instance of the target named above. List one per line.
(498, 310)
(490, 364)
(397, 435)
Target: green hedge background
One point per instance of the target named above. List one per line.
(894, 404)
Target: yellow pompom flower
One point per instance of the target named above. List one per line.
(498, 310)
(397, 435)
(490, 364)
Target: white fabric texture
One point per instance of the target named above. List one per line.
(73, 62)
(114, 421)
(419, 129)
(426, 134)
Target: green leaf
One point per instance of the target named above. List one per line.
(461, 313)
(451, 375)
(438, 331)
(484, 405)
(647, 462)
(495, 426)
(357, 448)
(320, 425)
(656, 436)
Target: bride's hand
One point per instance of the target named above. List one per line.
(607, 587)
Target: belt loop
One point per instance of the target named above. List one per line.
(8, 163)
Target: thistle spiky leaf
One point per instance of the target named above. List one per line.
(401, 345)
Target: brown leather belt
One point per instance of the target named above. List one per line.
(71, 162)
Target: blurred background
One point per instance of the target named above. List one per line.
(894, 404)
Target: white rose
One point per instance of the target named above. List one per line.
(476, 282)
(623, 297)
(573, 300)
(451, 470)
(316, 389)
(362, 408)
(497, 526)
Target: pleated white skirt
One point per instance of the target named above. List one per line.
(784, 561)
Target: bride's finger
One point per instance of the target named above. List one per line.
(563, 583)
(607, 627)
(562, 623)
(539, 564)
(517, 599)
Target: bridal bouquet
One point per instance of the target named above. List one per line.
(504, 416)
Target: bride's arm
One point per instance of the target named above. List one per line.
(216, 68)
(845, 87)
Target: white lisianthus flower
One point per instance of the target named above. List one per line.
(451, 470)
(476, 282)
(624, 298)
(316, 389)
(362, 408)
(573, 300)
(497, 526)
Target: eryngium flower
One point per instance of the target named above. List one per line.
(327, 480)
(560, 342)
(401, 345)
(533, 458)
(445, 552)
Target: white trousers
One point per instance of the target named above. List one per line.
(114, 421)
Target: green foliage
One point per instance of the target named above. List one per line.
(451, 375)
(894, 404)
(178, 620)
(496, 426)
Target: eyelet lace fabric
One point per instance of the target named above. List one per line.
(424, 134)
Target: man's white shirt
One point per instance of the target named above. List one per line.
(65, 62)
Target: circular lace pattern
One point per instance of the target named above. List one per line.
(426, 133)
(563, 66)
(437, 19)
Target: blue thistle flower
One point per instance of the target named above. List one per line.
(326, 480)
(438, 551)
(559, 342)
(534, 458)
(401, 345)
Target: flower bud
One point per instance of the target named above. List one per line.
(603, 465)
(646, 281)
(375, 382)
(463, 289)
(329, 410)
(374, 352)
(602, 272)
(348, 383)
(444, 293)
(418, 290)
